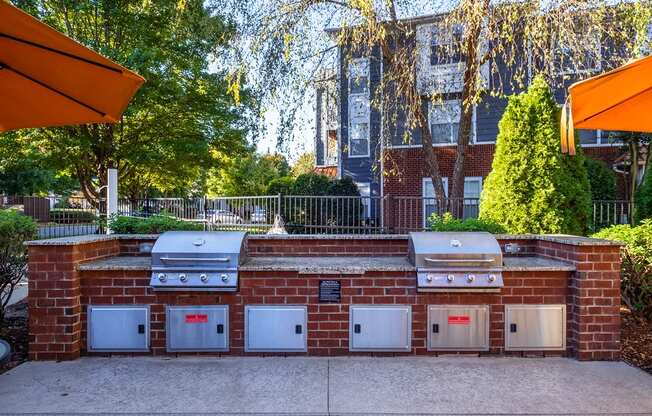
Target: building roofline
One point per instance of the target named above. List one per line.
(416, 20)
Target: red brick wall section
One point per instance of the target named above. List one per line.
(334, 246)
(59, 294)
(595, 298)
(328, 324)
(54, 297)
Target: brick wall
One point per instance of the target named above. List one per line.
(328, 324)
(55, 309)
(405, 168)
(59, 293)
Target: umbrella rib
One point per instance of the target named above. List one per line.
(69, 55)
(44, 85)
(617, 104)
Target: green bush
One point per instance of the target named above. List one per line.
(446, 222)
(532, 187)
(155, 224)
(15, 229)
(71, 216)
(282, 186)
(601, 178)
(311, 184)
(644, 197)
(636, 282)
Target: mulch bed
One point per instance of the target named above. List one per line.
(636, 339)
(14, 331)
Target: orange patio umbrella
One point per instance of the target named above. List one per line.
(618, 100)
(48, 79)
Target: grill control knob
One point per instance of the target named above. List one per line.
(225, 277)
(470, 278)
(162, 277)
(450, 277)
(183, 278)
(492, 278)
(429, 278)
(203, 278)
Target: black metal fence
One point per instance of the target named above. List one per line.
(59, 216)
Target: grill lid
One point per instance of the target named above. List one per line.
(196, 260)
(451, 261)
(461, 250)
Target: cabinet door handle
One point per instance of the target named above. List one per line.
(141, 328)
(435, 328)
(512, 327)
(220, 328)
(357, 329)
(298, 329)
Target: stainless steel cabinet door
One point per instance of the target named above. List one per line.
(118, 328)
(460, 327)
(380, 328)
(270, 328)
(535, 327)
(197, 328)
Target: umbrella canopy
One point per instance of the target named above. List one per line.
(617, 100)
(48, 79)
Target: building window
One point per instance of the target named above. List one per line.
(429, 200)
(589, 138)
(470, 202)
(444, 119)
(359, 108)
(445, 45)
(472, 192)
(359, 76)
(330, 148)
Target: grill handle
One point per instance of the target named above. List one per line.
(431, 260)
(200, 259)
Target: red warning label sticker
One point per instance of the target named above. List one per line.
(459, 320)
(196, 318)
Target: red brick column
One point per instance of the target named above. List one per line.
(594, 299)
(54, 296)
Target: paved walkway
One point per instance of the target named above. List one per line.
(316, 386)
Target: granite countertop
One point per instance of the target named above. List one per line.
(327, 265)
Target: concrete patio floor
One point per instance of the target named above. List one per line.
(316, 386)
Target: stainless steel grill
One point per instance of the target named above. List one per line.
(197, 260)
(460, 261)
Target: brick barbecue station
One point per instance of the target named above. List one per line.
(581, 275)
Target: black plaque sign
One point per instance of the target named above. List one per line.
(330, 291)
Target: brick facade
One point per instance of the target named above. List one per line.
(60, 294)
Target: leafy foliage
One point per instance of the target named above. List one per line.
(644, 196)
(304, 164)
(447, 222)
(636, 282)
(178, 119)
(247, 175)
(311, 184)
(15, 229)
(532, 187)
(281, 186)
(601, 178)
(155, 224)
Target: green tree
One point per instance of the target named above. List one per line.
(304, 164)
(532, 187)
(178, 119)
(644, 196)
(281, 186)
(247, 175)
(312, 184)
(601, 178)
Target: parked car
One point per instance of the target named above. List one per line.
(220, 216)
(259, 216)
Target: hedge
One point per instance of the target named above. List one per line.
(155, 224)
(448, 223)
(71, 216)
(636, 282)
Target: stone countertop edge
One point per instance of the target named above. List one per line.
(86, 239)
(326, 265)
